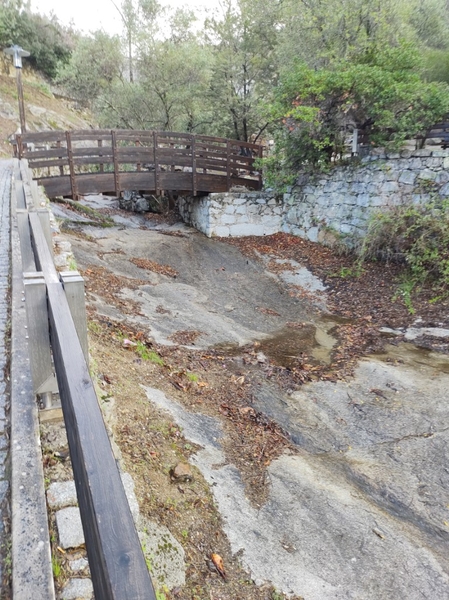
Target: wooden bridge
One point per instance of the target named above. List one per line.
(76, 163)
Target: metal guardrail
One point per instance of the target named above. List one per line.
(73, 163)
(116, 560)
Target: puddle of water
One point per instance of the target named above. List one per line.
(411, 354)
(290, 346)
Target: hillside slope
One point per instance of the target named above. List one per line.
(43, 110)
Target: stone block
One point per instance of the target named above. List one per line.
(229, 209)
(444, 191)
(166, 554)
(239, 201)
(346, 228)
(407, 177)
(70, 529)
(62, 494)
(79, 565)
(240, 210)
(228, 219)
(376, 201)
(78, 589)
(312, 234)
(422, 153)
(389, 187)
(427, 175)
(245, 229)
(364, 200)
(220, 231)
(442, 177)
(434, 162)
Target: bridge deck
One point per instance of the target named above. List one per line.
(99, 161)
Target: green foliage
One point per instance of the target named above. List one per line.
(95, 64)
(48, 42)
(418, 237)
(380, 92)
(142, 351)
(56, 567)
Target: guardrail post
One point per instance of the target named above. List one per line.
(44, 381)
(73, 285)
(20, 193)
(26, 249)
(44, 218)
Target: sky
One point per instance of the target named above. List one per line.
(90, 15)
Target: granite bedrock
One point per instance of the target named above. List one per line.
(324, 206)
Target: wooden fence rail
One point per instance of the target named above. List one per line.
(116, 560)
(74, 163)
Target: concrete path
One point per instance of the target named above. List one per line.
(6, 169)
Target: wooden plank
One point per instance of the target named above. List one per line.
(176, 180)
(71, 166)
(49, 153)
(143, 180)
(93, 160)
(56, 186)
(43, 137)
(95, 183)
(42, 164)
(116, 561)
(136, 154)
(91, 135)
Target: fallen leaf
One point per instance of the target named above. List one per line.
(218, 562)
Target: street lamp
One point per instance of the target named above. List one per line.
(17, 53)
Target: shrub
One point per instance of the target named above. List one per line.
(415, 235)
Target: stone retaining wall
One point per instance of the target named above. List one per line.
(234, 214)
(339, 202)
(343, 199)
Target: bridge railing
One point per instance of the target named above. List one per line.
(74, 163)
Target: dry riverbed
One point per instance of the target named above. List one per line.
(234, 383)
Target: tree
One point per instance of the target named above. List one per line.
(243, 40)
(381, 92)
(95, 64)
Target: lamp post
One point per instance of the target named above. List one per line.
(17, 53)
